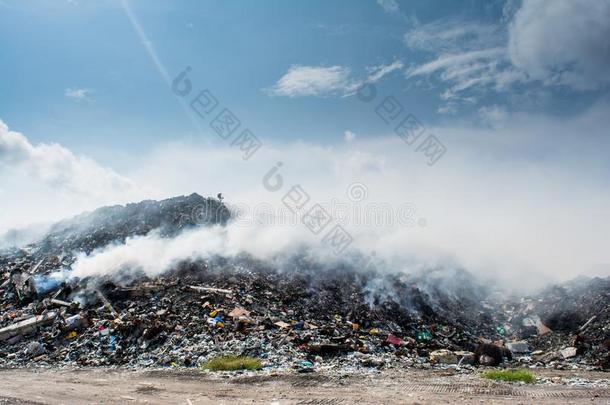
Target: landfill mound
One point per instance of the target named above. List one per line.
(92, 230)
(575, 320)
(291, 311)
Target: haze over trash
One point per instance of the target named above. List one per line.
(524, 196)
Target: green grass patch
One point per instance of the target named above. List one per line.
(231, 363)
(510, 375)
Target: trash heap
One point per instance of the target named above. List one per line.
(292, 311)
(93, 230)
(564, 325)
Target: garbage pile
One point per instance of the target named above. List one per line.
(92, 230)
(292, 311)
(564, 325)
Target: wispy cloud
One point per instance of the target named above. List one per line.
(466, 72)
(468, 56)
(454, 35)
(390, 6)
(493, 116)
(78, 94)
(376, 73)
(322, 81)
(316, 81)
(458, 64)
(542, 44)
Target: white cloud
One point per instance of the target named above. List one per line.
(349, 136)
(312, 81)
(563, 42)
(78, 94)
(320, 81)
(545, 43)
(389, 6)
(52, 167)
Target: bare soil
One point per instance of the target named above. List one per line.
(121, 386)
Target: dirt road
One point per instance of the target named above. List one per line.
(105, 386)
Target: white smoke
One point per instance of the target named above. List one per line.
(154, 255)
(525, 202)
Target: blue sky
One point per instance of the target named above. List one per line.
(516, 91)
(77, 73)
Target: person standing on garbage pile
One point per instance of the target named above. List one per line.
(14, 282)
